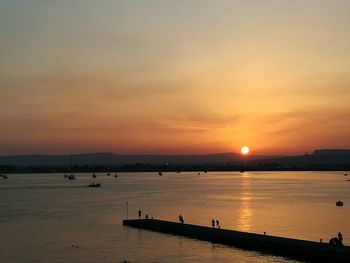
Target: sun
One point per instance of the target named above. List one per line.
(244, 150)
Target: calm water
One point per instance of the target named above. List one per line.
(43, 215)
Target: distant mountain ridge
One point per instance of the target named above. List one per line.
(331, 152)
(323, 157)
(123, 159)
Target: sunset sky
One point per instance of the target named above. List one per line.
(184, 76)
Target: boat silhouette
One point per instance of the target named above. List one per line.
(339, 203)
(93, 184)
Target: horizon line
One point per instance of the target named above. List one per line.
(163, 154)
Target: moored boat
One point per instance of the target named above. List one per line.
(339, 203)
(93, 184)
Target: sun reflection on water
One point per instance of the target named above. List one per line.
(245, 210)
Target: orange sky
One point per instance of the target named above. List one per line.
(174, 76)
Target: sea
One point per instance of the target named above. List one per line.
(47, 218)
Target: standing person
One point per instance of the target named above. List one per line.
(217, 223)
(181, 219)
(213, 223)
(340, 237)
(140, 213)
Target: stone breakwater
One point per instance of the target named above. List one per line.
(281, 246)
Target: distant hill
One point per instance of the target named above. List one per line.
(110, 159)
(319, 158)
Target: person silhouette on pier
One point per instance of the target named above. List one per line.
(217, 223)
(340, 238)
(140, 213)
(181, 219)
(212, 223)
(334, 241)
(146, 216)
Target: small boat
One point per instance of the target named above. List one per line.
(199, 173)
(94, 175)
(108, 174)
(160, 173)
(116, 175)
(242, 171)
(70, 176)
(345, 174)
(205, 172)
(339, 203)
(93, 184)
(4, 176)
(178, 172)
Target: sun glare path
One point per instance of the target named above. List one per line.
(244, 150)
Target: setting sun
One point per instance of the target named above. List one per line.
(245, 150)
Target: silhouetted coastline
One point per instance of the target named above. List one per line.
(319, 160)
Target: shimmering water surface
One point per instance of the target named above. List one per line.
(45, 218)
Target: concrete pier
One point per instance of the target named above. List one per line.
(288, 247)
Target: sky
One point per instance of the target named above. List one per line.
(174, 77)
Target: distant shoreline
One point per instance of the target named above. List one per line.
(319, 160)
(200, 170)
